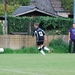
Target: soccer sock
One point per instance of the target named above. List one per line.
(41, 50)
(42, 47)
(47, 49)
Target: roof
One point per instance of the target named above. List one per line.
(57, 5)
(23, 10)
(52, 6)
(45, 5)
(28, 9)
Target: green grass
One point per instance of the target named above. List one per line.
(37, 64)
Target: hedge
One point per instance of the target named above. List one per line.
(18, 24)
(1, 29)
(21, 24)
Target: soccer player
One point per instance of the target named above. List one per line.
(71, 38)
(40, 38)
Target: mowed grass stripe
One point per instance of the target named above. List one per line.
(20, 72)
(35, 64)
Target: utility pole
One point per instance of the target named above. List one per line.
(74, 11)
(5, 22)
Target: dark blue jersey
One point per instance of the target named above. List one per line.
(39, 33)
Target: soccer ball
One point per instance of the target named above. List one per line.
(1, 50)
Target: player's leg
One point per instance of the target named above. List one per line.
(70, 45)
(41, 51)
(39, 48)
(45, 48)
(74, 46)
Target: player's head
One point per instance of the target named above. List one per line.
(36, 25)
(74, 25)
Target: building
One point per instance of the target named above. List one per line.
(31, 11)
(42, 8)
(57, 5)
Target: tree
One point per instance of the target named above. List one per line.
(25, 2)
(67, 4)
(1, 9)
(19, 2)
(12, 5)
(10, 9)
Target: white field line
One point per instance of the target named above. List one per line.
(16, 71)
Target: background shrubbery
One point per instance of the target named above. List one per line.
(58, 25)
(23, 50)
(18, 24)
(58, 46)
(1, 31)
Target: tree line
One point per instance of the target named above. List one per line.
(12, 5)
(67, 4)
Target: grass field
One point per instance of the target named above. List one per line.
(37, 64)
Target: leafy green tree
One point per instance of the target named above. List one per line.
(19, 2)
(10, 9)
(67, 4)
(12, 5)
(1, 1)
(1, 9)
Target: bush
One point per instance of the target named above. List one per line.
(23, 50)
(21, 24)
(58, 46)
(1, 31)
(18, 24)
(8, 50)
(30, 50)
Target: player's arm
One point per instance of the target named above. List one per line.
(33, 34)
(45, 37)
(69, 36)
